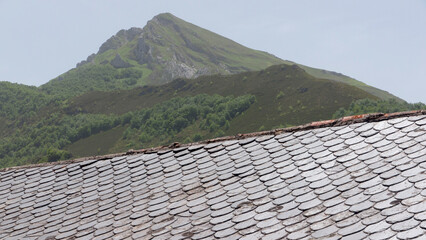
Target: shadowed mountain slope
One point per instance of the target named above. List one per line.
(286, 95)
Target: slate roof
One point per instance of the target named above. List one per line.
(363, 179)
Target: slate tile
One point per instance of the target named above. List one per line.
(289, 214)
(400, 186)
(392, 191)
(351, 229)
(320, 225)
(394, 210)
(267, 223)
(408, 193)
(304, 232)
(333, 201)
(411, 234)
(316, 218)
(387, 234)
(361, 206)
(272, 229)
(405, 225)
(268, 207)
(336, 209)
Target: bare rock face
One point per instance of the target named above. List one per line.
(120, 39)
(142, 52)
(171, 48)
(178, 69)
(89, 59)
(148, 46)
(118, 62)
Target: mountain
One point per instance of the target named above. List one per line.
(285, 96)
(165, 49)
(170, 81)
(37, 127)
(168, 48)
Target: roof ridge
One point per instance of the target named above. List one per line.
(370, 117)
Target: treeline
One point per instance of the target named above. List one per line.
(46, 139)
(363, 106)
(93, 78)
(204, 112)
(20, 101)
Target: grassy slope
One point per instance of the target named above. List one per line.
(99, 143)
(285, 95)
(188, 43)
(206, 48)
(320, 73)
(173, 39)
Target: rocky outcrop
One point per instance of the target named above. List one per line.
(118, 62)
(89, 59)
(142, 52)
(172, 48)
(178, 70)
(120, 39)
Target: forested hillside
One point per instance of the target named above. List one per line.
(363, 106)
(20, 101)
(37, 126)
(46, 139)
(286, 95)
(171, 81)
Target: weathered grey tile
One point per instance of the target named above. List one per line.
(351, 181)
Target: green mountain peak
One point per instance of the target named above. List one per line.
(167, 48)
(170, 81)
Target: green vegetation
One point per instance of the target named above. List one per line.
(182, 50)
(280, 95)
(181, 44)
(320, 73)
(20, 101)
(93, 78)
(162, 124)
(364, 106)
(44, 139)
(40, 127)
(51, 138)
(286, 95)
(131, 94)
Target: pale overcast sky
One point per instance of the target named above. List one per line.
(382, 43)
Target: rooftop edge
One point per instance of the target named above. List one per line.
(370, 117)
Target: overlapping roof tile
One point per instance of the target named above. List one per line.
(360, 177)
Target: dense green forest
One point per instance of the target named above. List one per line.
(46, 139)
(20, 101)
(38, 126)
(286, 95)
(102, 77)
(363, 106)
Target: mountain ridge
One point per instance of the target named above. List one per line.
(141, 89)
(167, 48)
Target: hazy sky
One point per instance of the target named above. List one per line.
(382, 43)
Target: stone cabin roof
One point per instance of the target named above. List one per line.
(352, 178)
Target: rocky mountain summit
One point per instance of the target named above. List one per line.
(167, 48)
(172, 48)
